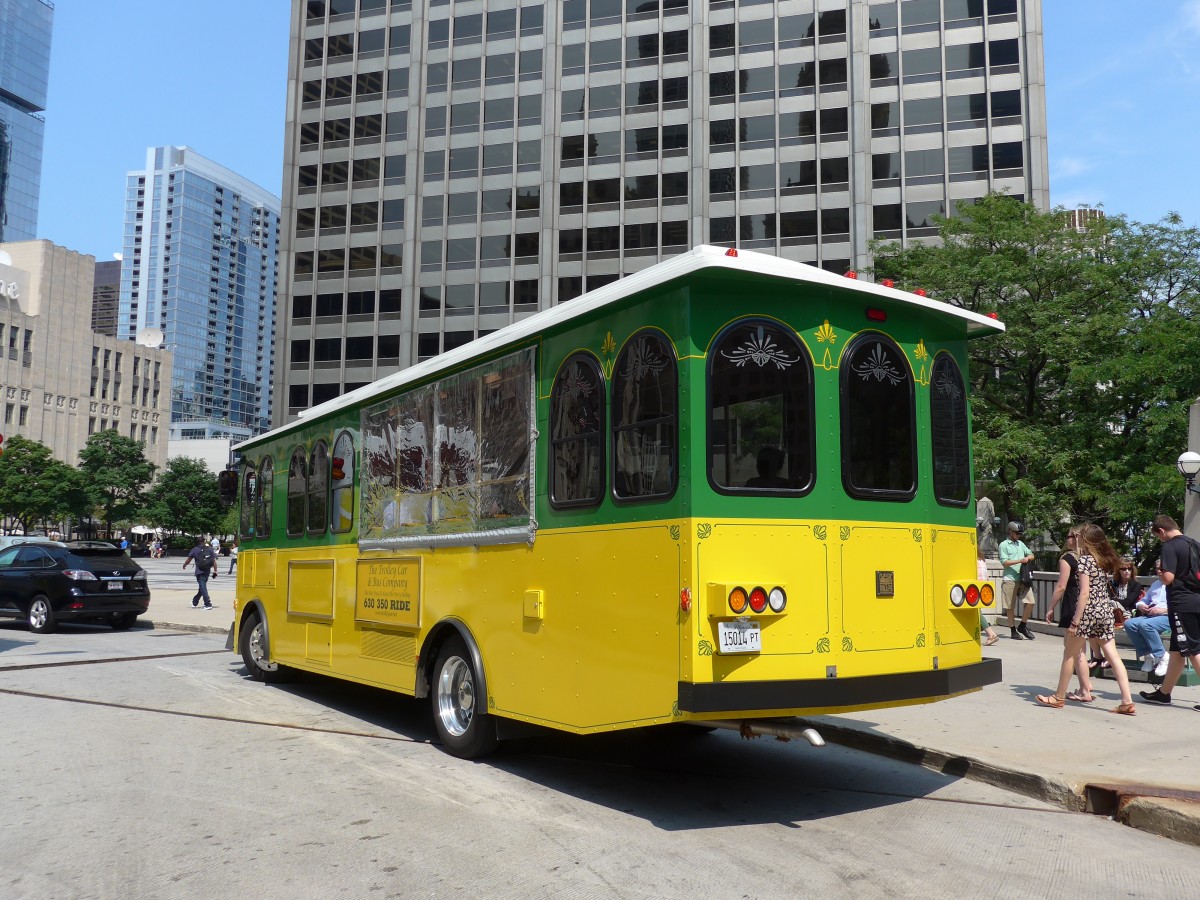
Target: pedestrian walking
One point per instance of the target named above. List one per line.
(1183, 606)
(233, 552)
(1013, 555)
(215, 543)
(1065, 599)
(1093, 618)
(206, 562)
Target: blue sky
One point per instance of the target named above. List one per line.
(1123, 103)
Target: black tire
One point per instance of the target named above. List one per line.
(40, 615)
(122, 621)
(463, 727)
(252, 644)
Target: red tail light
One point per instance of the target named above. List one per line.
(758, 600)
(972, 595)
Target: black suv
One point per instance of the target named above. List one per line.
(46, 582)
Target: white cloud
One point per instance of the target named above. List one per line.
(1071, 166)
(1191, 15)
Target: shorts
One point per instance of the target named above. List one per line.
(1011, 592)
(1185, 633)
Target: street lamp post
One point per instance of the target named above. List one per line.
(1188, 465)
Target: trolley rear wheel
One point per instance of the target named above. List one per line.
(465, 730)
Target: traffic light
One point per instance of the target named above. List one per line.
(227, 485)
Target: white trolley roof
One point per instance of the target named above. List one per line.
(695, 260)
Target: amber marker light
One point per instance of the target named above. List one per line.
(737, 600)
(987, 594)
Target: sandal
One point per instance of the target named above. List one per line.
(1053, 701)
(1078, 697)
(992, 640)
(1125, 709)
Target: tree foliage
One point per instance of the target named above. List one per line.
(116, 472)
(1081, 407)
(34, 486)
(185, 497)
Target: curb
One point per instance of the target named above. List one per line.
(149, 624)
(1178, 820)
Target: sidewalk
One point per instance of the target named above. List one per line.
(172, 588)
(1081, 756)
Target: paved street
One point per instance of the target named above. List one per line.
(144, 764)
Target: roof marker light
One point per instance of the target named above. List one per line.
(920, 292)
(731, 252)
(887, 282)
(852, 274)
(993, 315)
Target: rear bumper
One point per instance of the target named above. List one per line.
(814, 694)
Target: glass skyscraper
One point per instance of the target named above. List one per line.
(199, 274)
(25, 27)
(453, 165)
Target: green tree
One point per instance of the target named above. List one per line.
(117, 473)
(1080, 407)
(34, 486)
(185, 497)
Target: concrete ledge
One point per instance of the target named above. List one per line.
(1178, 820)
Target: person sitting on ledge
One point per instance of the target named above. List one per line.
(1145, 629)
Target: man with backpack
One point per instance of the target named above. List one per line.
(206, 562)
(1181, 575)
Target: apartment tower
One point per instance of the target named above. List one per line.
(199, 274)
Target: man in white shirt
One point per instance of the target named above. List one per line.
(1145, 629)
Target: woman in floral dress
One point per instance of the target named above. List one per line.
(1093, 618)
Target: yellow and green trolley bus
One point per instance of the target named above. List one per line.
(726, 490)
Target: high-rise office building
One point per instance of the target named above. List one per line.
(106, 297)
(25, 27)
(453, 165)
(199, 274)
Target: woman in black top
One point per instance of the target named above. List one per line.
(1066, 593)
(1128, 591)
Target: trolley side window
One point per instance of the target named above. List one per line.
(577, 427)
(342, 473)
(949, 433)
(266, 496)
(760, 426)
(878, 420)
(317, 512)
(645, 419)
(249, 501)
(297, 492)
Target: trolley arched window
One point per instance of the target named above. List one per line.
(760, 425)
(317, 514)
(576, 433)
(949, 433)
(342, 474)
(297, 491)
(266, 489)
(249, 501)
(879, 443)
(645, 419)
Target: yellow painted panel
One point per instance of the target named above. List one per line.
(310, 587)
(319, 642)
(877, 553)
(957, 630)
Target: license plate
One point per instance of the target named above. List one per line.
(116, 585)
(739, 637)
